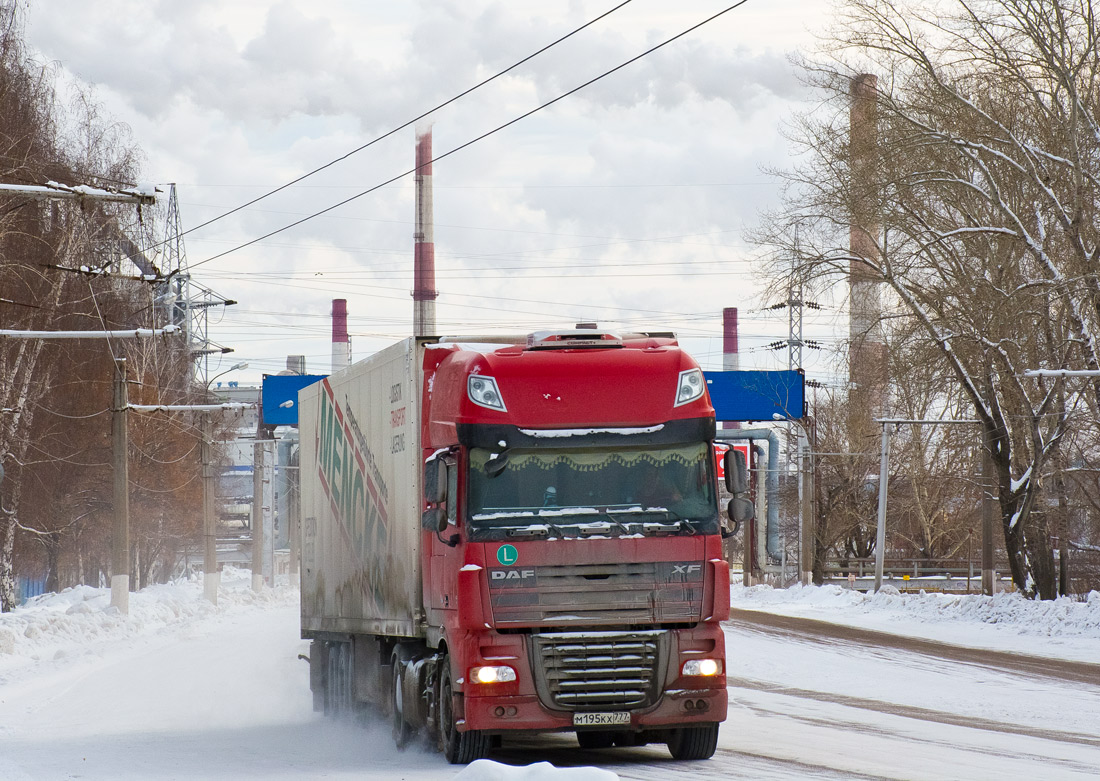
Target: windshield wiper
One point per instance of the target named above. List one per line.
(540, 529)
(610, 515)
(677, 526)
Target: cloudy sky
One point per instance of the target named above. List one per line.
(625, 203)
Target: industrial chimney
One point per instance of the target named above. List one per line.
(731, 359)
(866, 346)
(341, 342)
(424, 292)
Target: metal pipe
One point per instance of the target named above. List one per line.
(880, 533)
(771, 483)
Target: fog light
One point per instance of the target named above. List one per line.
(501, 674)
(703, 667)
(701, 705)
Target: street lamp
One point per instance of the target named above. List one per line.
(211, 575)
(233, 368)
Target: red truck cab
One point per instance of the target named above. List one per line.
(571, 557)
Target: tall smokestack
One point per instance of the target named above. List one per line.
(341, 342)
(731, 358)
(424, 292)
(866, 347)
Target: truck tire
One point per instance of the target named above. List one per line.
(338, 680)
(598, 739)
(460, 748)
(694, 742)
(402, 730)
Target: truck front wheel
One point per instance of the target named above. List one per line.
(460, 748)
(694, 742)
(402, 730)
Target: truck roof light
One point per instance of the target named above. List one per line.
(691, 386)
(572, 340)
(483, 391)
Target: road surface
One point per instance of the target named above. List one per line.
(228, 699)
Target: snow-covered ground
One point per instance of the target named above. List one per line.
(1063, 628)
(182, 689)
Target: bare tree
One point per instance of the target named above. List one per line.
(987, 167)
(66, 266)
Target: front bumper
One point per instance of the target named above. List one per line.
(676, 708)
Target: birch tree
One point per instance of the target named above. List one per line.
(55, 395)
(988, 166)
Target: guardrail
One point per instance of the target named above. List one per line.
(912, 575)
(899, 568)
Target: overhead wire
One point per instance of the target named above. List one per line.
(475, 140)
(412, 121)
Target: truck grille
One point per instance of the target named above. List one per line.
(616, 594)
(599, 671)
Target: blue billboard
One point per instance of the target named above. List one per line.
(757, 395)
(280, 397)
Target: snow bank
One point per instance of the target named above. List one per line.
(1062, 627)
(80, 620)
(487, 770)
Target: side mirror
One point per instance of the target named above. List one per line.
(740, 510)
(737, 473)
(435, 481)
(732, 531)
(434, 520)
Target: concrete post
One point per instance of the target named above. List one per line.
(880, 535)
(258, 516)
(120, 557)
(211, 574)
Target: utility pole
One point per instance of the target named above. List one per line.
(257, 514)
(120, 555)
(988, 575)
(808, 492)
(144, 195)
(880, 532)
(211, 574)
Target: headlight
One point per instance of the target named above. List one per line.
(691, 386)
(501, 674)
(703, 667)
(483, 391)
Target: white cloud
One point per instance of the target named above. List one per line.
(229, 98)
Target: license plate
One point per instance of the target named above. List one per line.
(613, 719)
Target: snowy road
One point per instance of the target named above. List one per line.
(223, 696)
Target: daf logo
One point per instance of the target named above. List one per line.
(512, 574)
(686, 569)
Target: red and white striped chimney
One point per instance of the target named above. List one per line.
(424, 292)
(341, 342)
(731, 358)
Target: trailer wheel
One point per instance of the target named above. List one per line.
(460, 748)
(338, 680)
(402, 730)
(694, 742)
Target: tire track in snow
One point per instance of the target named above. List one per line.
(839, 635)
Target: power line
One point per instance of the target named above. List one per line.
(463, 94)
(483, 136)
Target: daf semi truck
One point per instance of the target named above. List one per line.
(511, 536)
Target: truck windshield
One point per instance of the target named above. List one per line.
(576, 493)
